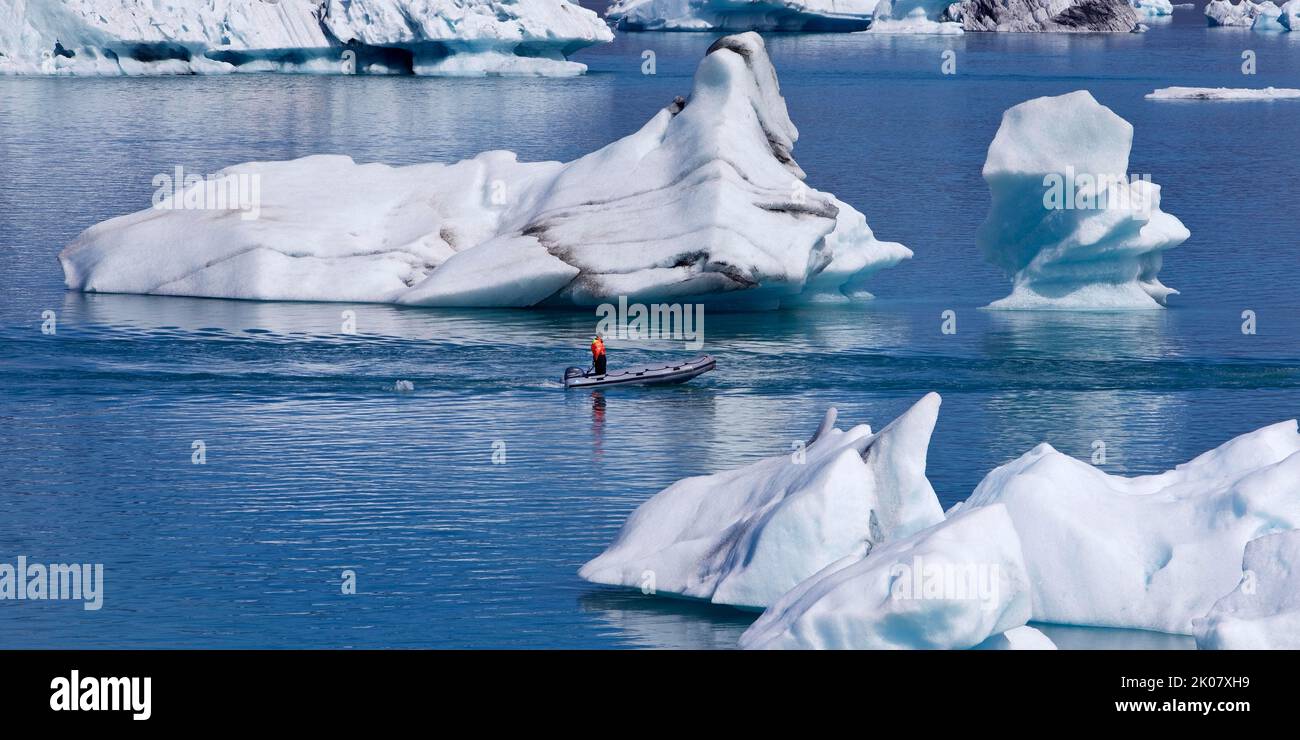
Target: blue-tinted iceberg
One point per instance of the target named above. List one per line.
(439, 37)
(1068, 223)
(1226, 13)
(741, 15)
(705, 202)
(744, 537)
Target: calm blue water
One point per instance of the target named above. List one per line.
(315, 465)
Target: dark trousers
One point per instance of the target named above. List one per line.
(599, 364)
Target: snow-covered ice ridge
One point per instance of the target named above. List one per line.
(705, 202)
(435, 37)
(744, 537)
(1068, 223)
(741, 15)
(1224, 93)
(846, 549)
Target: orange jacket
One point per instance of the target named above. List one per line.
(597, 348)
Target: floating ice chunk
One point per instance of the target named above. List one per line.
(741, 15)
(914, 16)
(454, 37)
(948, 587)
(1263, 613)
(1153, 8)
(1067, 223)
(1224, 93)
(1225, 13)
(403, 386)
(1151, 552)
(1020, 638)
(704, 203)
(744, 537)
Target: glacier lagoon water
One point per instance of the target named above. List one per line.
(316, 465)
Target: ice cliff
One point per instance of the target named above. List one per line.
(448, 37)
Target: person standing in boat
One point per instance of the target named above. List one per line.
(598, 354)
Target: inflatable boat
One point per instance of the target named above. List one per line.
(658, 374)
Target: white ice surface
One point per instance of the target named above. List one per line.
(744, 537)
(1224, 93)
(1153, 8)
(1151, 552)
(1102, 250)
(1225, 13)
(951, 586)
(703, 203)
(1263, 612)
(453, 37)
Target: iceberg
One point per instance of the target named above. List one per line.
(1107, 16)
(1151, 552)
(1153, 8)
(705, 202)
(1224, 93)
(1263, 612)
(1067, 223)
(1225, 13)
(438, 37)
(740, 15)
(914, 16)
(952, 586)
(1020, 638)
(1269, 17)
(744, 537)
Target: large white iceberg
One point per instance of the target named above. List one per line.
(1224, 93)
(1263, 612)
(1151, 552)
(705, 202)
(447, 37)
(741, 15)
(1067, 223)
(952, 586)
(744, 537)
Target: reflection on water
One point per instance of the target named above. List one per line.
(1069, 637)
(662, 622)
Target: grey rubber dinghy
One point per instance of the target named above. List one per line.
(657, 374)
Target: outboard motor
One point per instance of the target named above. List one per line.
(573, 372)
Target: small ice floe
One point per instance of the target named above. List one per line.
(403, 386)
(1224, 93)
